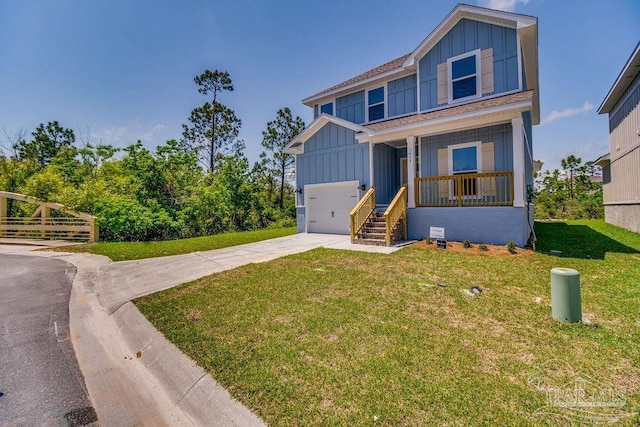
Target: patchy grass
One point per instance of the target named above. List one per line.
(123, 251)
(331, 337)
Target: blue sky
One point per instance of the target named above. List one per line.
(123, 70)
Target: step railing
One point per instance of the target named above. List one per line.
(362, 211)
(469, 189)
(397, 210)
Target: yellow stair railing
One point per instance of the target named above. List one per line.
(397, 210)
(362, 211)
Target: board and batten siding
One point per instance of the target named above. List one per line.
(351, 107)
(332, 155)
(624, 128)
(466, 36)
(500, 135)
(402, 96)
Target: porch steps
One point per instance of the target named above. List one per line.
(373, 232)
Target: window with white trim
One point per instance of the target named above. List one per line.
(465, 159)
(375, 103)
(464, 76)
(327, 108)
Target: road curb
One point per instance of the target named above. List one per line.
(192, 389)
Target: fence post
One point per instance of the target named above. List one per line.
(3, 216)
(45, 212)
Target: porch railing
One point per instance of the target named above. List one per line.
(397, 209)
(470, 189)
(362, 211)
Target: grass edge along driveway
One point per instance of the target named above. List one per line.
(126, 251)
(330, 337)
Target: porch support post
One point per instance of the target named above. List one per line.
(518, 162)
(371, 184)
(411, 171)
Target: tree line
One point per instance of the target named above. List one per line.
(575, 192)
(199, 185)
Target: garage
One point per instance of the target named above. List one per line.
(328, 206)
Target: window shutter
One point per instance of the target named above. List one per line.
(488, 162)
(443, 84)
(486, 61)
(488, 185)
(443, 169)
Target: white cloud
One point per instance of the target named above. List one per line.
(129, 134)
(567, 112)
(506, 5)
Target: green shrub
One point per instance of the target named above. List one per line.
(483, 247)
(466, 243)
(511, 246)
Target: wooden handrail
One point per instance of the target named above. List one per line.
(397, 209)
(470, 189)
(362, 211)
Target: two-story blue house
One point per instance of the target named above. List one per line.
(439, 137)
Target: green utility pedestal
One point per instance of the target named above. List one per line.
(566, 304)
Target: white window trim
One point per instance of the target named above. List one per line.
(478, 76)
(477, 144)
(384, 102)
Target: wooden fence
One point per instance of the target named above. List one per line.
(48, 220)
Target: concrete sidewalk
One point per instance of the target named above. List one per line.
(133, 374)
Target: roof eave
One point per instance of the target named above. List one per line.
(630, 69)
(310, 101)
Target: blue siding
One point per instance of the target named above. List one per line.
(500, 135)
(402, 96)
(386, 172)
(332, 155)
(315, 111)
(467, 36)
(495, 225)
(351, 107)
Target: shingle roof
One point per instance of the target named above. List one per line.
(452, 111)
(391, 65)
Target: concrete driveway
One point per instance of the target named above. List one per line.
(123, 281)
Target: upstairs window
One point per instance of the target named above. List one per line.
(376, 104)
(327, 108)
(464, 76)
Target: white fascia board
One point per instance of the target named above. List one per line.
(418, 127)
(622, 82)
(529, 41)
(315, 126)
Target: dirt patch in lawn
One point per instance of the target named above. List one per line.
(491, 250)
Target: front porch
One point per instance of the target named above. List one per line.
(478, 207)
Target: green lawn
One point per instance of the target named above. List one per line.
(123, 251)
(332, 337)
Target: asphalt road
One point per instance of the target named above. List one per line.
(40, 380)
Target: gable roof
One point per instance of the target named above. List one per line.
(296, 144)
(626, 76)
(527, 27)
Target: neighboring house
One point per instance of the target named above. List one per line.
(442, 136)
(621, 166)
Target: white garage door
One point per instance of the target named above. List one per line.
(328, 207)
